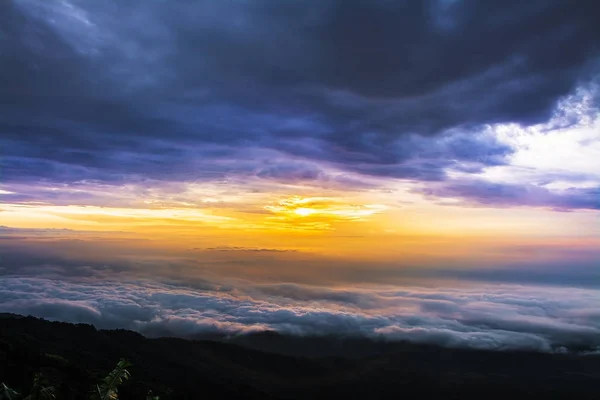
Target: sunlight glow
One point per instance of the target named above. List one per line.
(322, 207)
(304, 212)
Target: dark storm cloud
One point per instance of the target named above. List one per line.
(294, 172)
(110, 90)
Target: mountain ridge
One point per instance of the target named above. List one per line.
(259, 366)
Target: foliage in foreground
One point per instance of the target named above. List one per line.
(106, 389)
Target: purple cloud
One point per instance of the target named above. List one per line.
(483, 193)
(170, 95)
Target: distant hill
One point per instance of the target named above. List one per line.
(268, 365)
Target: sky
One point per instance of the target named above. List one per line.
(416, 170)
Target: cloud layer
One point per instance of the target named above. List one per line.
(485, 317)
(547, 300)
(117, 92)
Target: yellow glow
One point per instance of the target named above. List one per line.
(304, 211)
(322, 207)
(295, 213)
(393, 225)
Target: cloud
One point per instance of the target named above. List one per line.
(483, 193)
(247, 249)
(548, 301)
(122, 91)
(489, 317)
(290, 172)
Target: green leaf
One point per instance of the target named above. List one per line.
(108, 387)
(39, 391)
(7, 393)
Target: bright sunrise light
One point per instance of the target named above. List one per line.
(304, 212)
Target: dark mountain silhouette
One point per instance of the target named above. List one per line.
(268, 365)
